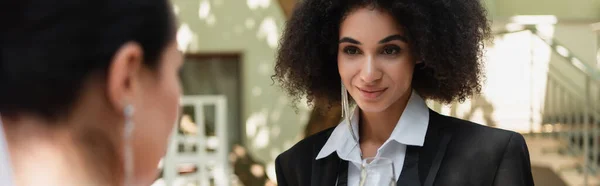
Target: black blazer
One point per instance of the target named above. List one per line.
(455, 153)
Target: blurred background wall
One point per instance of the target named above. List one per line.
(267, 123)
(533, 85)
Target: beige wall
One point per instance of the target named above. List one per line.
(573, 10)
(252, 28)
(596, 27)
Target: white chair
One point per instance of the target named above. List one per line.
(210, 165)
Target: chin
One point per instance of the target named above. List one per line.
(147, 177)
(378, 106)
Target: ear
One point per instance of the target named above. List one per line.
(122, 76)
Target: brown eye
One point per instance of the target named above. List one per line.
(391, 50)
(351, 50)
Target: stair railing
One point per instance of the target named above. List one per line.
(579, 126)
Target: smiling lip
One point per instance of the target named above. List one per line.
(371, 94)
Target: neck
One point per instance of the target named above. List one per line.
(81, 148)
(377, 127)
(46, 155)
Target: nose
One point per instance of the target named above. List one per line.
(370, 72)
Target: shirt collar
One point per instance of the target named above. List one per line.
(410, 130)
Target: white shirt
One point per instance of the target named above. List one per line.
(410, 130)
(5, 170)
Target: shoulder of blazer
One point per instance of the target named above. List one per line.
(467, 132)
(295, 166)
(307, 146)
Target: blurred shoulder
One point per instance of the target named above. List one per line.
(308, 147)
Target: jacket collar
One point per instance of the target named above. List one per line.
(410, 130)
(420, 166)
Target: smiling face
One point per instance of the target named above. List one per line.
(375, 60)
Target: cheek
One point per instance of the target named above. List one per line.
(340, 65)
(171, 93)
(347, 68)
(158, 116)
(160, 101)
(164, 102)
(400, 73)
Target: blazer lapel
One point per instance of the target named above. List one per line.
(421, 164)
(325, 171)
(342, 179)
(410, 170)
(437, 161)
(433, 151)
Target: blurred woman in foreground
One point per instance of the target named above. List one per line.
(88, 90)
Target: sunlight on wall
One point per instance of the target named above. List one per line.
(175, 9)
(254, 4)
(534, 19)
(516, 72)
(596, 28)
(251, 28)
(261, 140)
(204, 10)
(514, 27)
(184, 37)
(256, 121)
(506, 86)
(598, 57)
(204, 13)
(268, 30)
(271, 171)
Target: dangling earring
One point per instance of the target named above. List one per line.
(342, 98)
(344, 101)
(127, 150)
(346, 111)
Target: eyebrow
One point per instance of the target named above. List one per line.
(349, 40)
(392, 38)
(384, 40)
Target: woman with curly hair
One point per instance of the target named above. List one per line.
(387, 57)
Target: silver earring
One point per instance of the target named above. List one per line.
(342, 98)
(127, 150)
(344, 101)
(346, 111)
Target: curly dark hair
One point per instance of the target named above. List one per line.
(447, 35)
